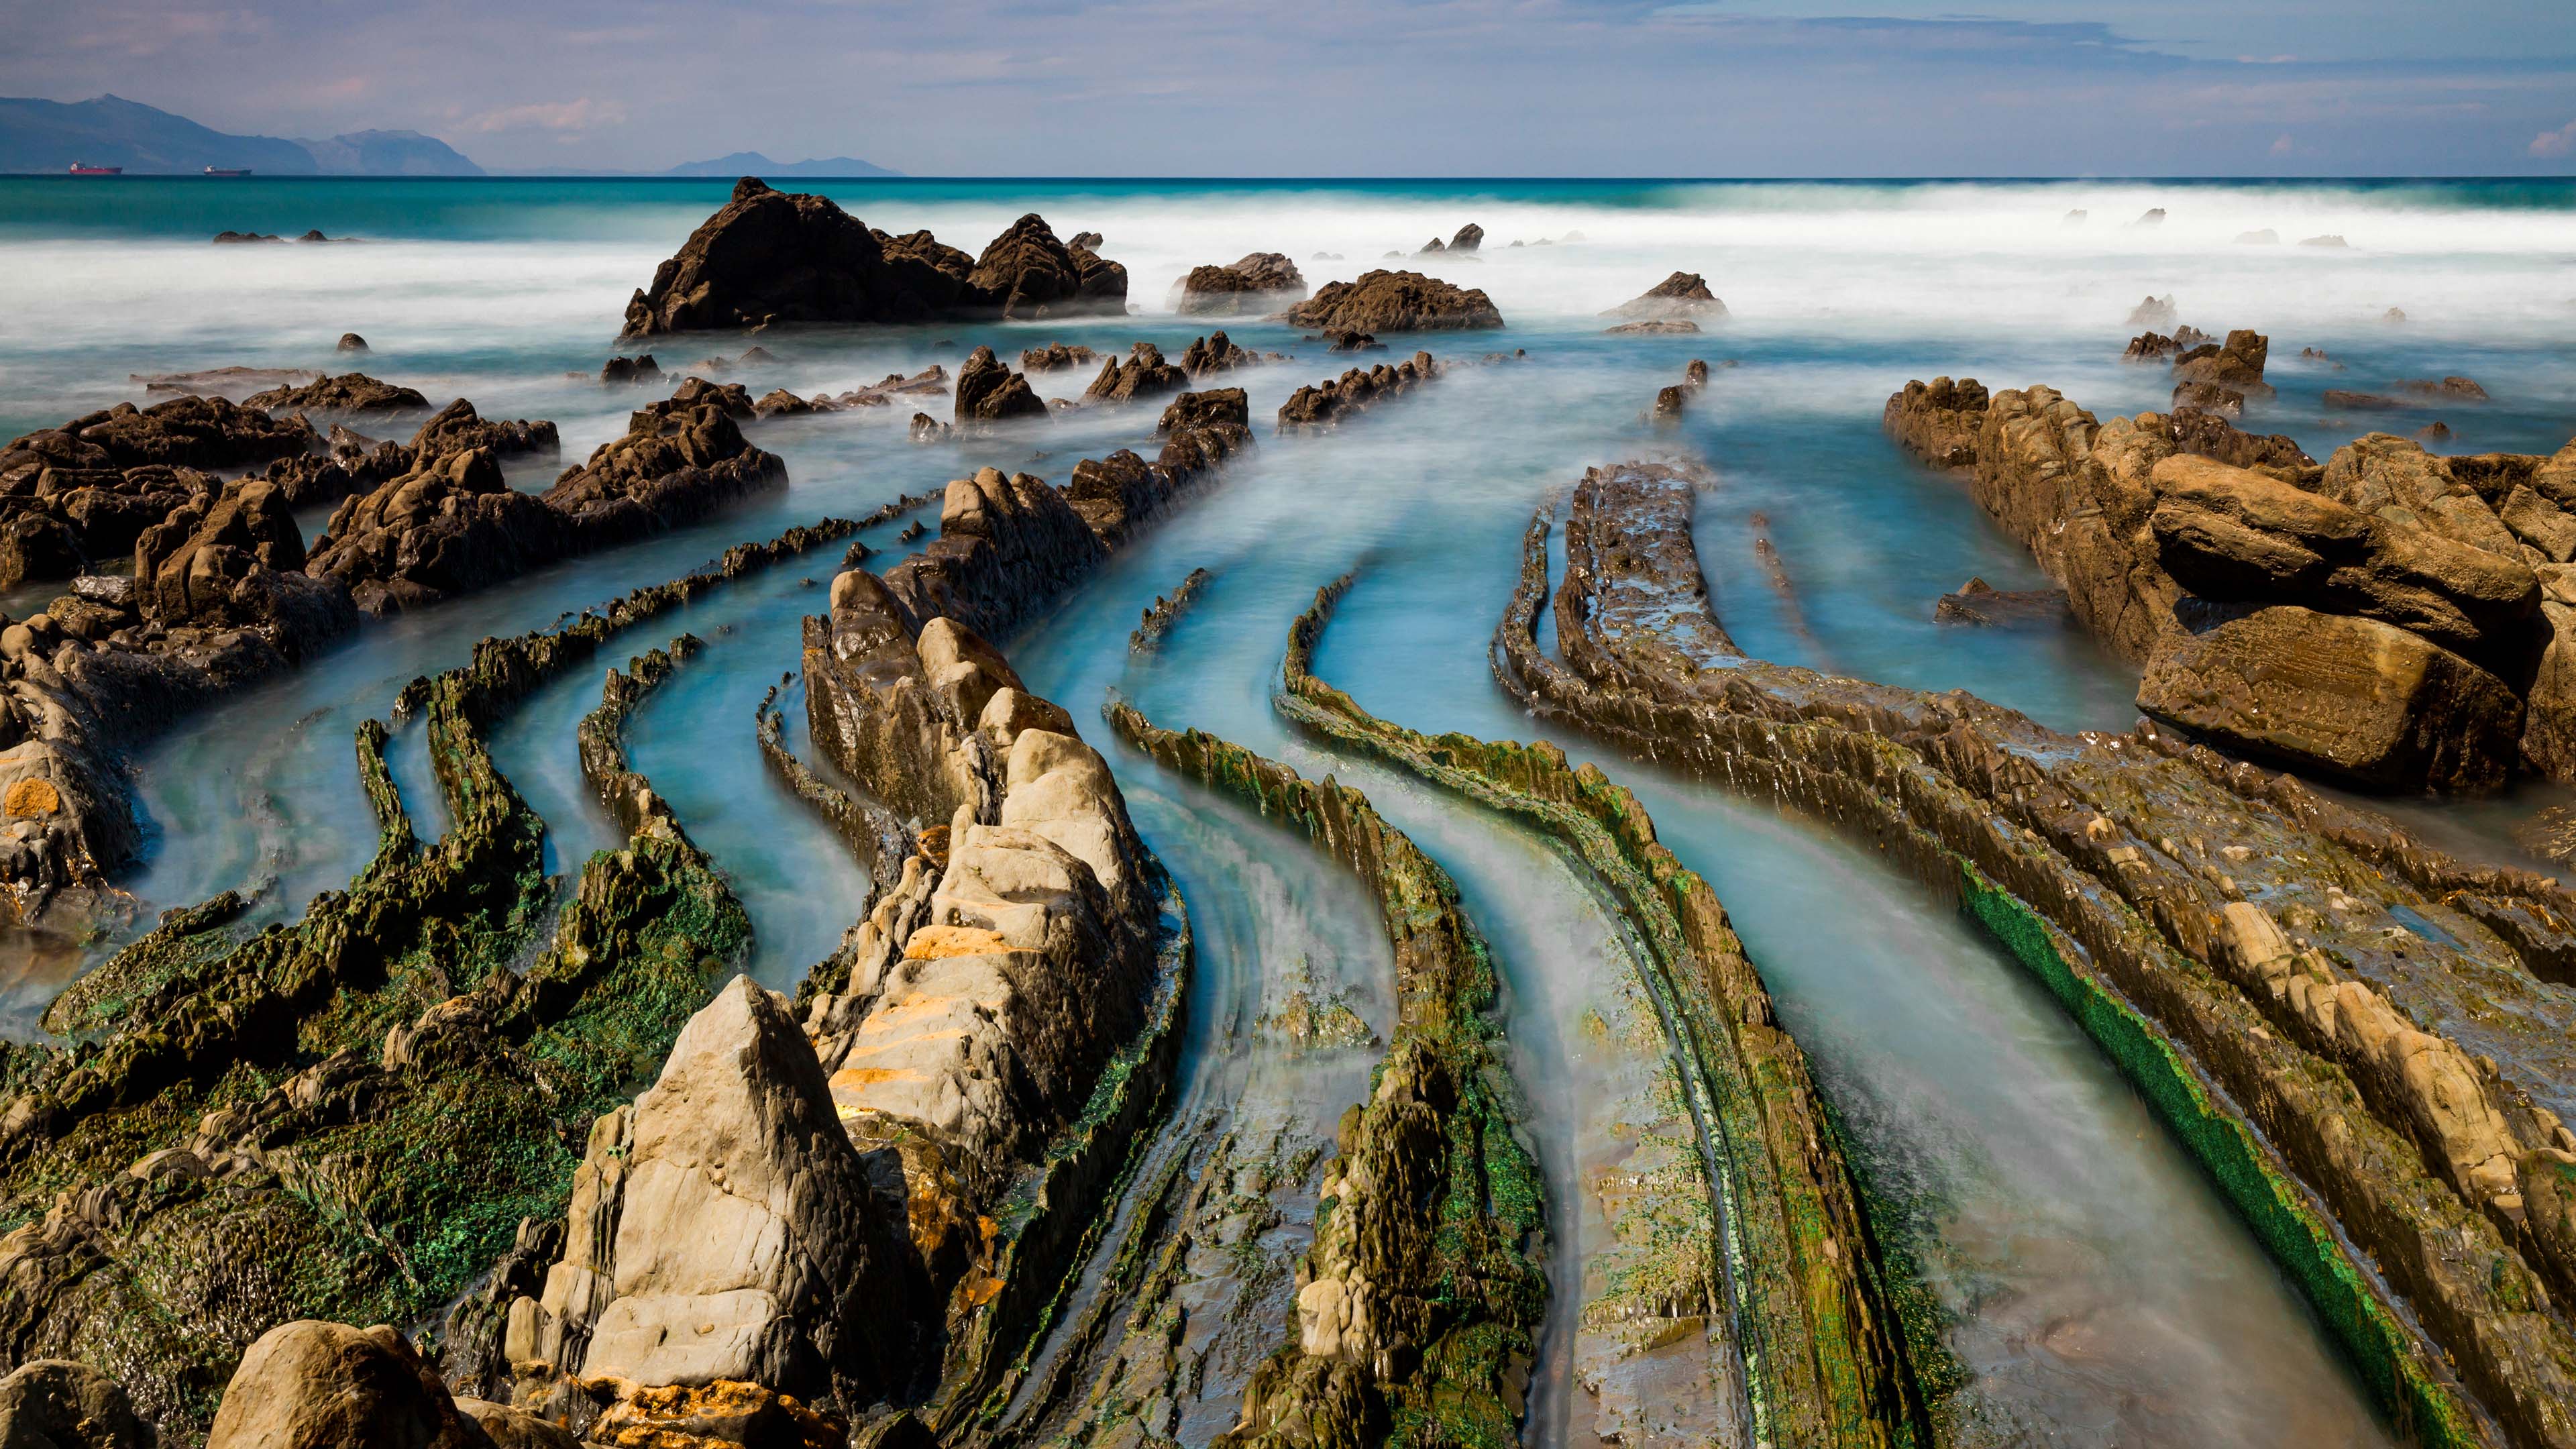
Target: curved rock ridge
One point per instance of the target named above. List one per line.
(2239, 946)
(2384, 618)
(1383, 301)
(1681, 297)
(770, 256)
(1423, 1288)
(452, 524)
(1820, 1354)
(1260, 283)
(343, 1117)
(1319, 406)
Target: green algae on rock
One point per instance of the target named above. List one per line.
(1423, 1290)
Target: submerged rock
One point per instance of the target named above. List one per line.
(1978, 602)
(1327, 404)
(351, 393)
(1683, 296)
(1385, 301)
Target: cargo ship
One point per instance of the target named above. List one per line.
(227, 171)
(84, 169)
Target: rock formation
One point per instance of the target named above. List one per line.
(1334, 400)
(1217, 352)
(1144, 374)
(310, 1385)
(352, 394)
(769, 256)
(2236, 363)
(1259, 284)
(989, 392)
(1055, 357)
(1383, 301)
(1681, 297)
(2375, 619)
(55, 1404)
(452, 524)
(1468, 238)
(351, 342)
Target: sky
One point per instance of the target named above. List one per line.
(1365, 87)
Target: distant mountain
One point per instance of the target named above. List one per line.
(48, 136)
(388, 153)
(752, 163)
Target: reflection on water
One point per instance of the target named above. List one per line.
(2100, 1291)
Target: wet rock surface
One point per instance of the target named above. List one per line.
(1383, 301)
(1336, 400)
(1143, 375)
(351, 394)
(1259, 284)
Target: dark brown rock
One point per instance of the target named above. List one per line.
(2150, 347)
(1056, 356)
(2237, 363)
(1217, 352)
(451, 526)
(2211, 398)
(352, 394)
(213, 561)
(1978, 602)
(1468, 238)
(1258, 284)
(1025, 272)
(770, 256)
(989, 392)
(1938, 421)
(1220, 407)
(2347, 400)
(2449, 389)
(54, 1404)
(1329, 403)
(351, 342)
(458, 427)
(1383, 301)
(680, 461)
(631, 372)
(1144, 374)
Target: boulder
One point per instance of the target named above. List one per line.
(351, 342)
(748, 1243)
(1223, 407)
(1468, 238)
(1026, 273)
(2358, 698)
(989, 392)
(1259, 283)
(214, 562)
(1680, 297)
(769, 256)
(2237, 536)
(778, 402)
(314, 1385)
(1384, 301)
(51, 1403)
(640, 371)
(1144, 374)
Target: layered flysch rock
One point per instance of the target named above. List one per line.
(769, 256)
(1326, 404)
(989, 392)
(352, 394)
(82, 493)
(1259, 284)
(453, 524)
(2376, 619)
(1384, 301)
(2254, 955)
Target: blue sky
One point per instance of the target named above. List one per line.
(1366, 87)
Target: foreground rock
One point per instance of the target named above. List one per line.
(1259, 284)
(769, 256)
(312, 1385)
(2221, 560)
(1681, 297)
(54, 1404)
(1383, 301)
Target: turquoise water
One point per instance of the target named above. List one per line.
(2101, 1291)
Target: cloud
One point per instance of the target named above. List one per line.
(558, 116)
(2555, 143)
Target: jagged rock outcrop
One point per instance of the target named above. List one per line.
(1258, 284)
(1217, 352)
(989, 392)
(185, 432)
(1225, 409)
(1383, 301)
(215, 562)
(453, 524)
(458, 427)
(1467, 238)
(1026, 273)
(1681, 297)
(2236, 363)
(352, 394)
(1336, 399)
(1144, 374)
(630, 372)
(724, 1228)
(314, 1385)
